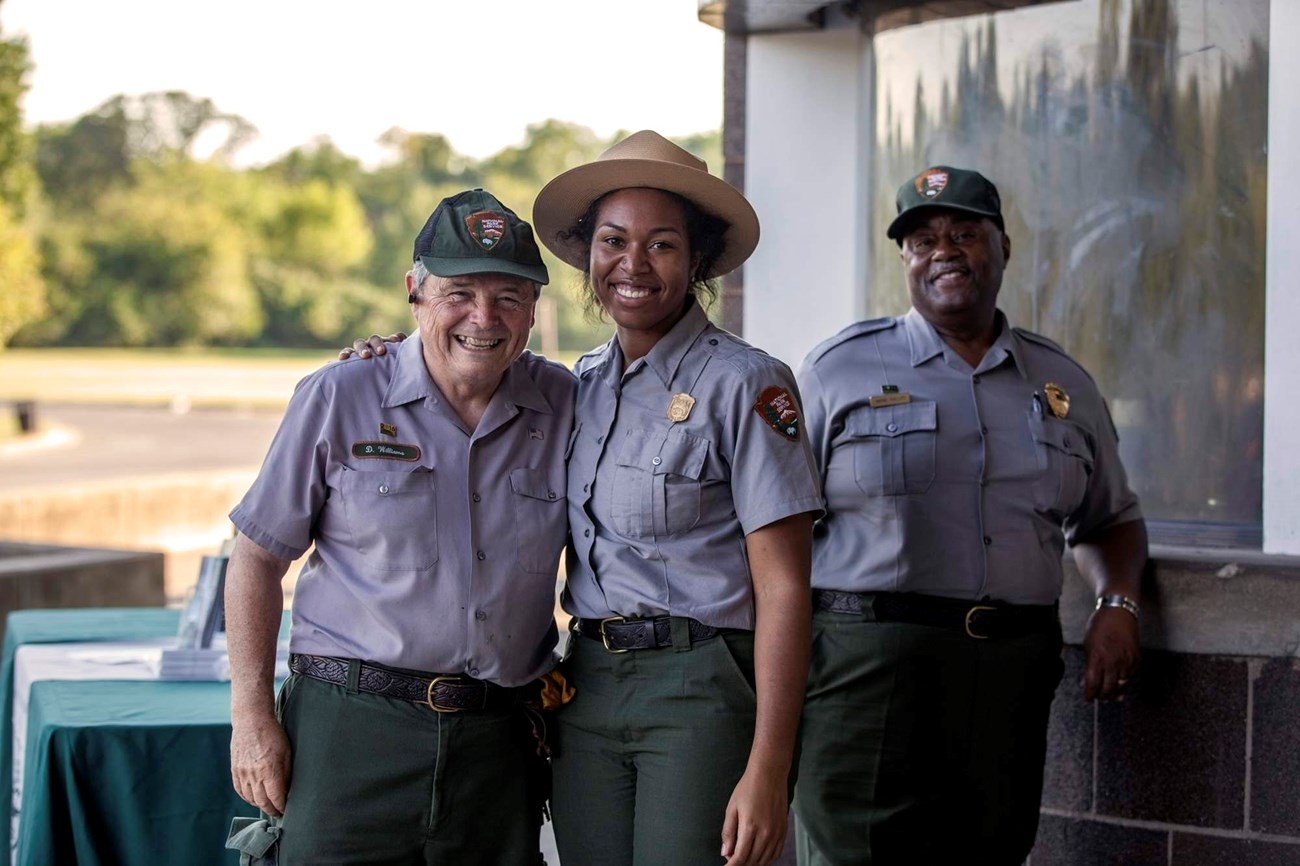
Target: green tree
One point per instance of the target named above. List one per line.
(22, 291)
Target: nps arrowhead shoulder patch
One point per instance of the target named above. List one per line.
(778, 408)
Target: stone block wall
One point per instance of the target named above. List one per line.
(1200, 765)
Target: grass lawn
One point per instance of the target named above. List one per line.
(232, 378)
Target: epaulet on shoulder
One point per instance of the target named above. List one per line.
(1052, 346)
(857, 329)
(540, 365)
(1041, 340)
(585, 362)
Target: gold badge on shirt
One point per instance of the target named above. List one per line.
(679, 408)
(1057, 400)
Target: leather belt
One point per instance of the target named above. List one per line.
(443, 694)
(979, 619)
(620, 634)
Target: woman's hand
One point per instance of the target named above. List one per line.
(753, 833)
(365, 349)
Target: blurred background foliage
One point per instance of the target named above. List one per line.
(133, 226)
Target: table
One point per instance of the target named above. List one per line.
(118, 771)
(64, 626)
(127, 772)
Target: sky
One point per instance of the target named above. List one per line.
(477, 72)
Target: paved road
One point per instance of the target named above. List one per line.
(97, 443)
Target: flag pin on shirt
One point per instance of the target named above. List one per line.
(534, 433)
(386, 429)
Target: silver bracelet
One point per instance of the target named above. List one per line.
(1122, 601)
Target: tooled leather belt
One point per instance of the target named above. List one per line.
(620, 634)
(445, 694)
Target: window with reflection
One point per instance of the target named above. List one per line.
(1128, 140)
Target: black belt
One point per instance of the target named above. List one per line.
(444, 694)
(620, 634)
(977, 619)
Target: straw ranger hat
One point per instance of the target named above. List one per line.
(643, 159)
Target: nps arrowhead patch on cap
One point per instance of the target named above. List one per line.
(486, 227)
(931, 182)
(778, 408)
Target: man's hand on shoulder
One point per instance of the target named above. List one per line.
(368, 348)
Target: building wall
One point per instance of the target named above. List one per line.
(803, 173)
(1282, 349)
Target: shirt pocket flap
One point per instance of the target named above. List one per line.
(418, 482)
(534, 484)
(1064, 437)
(678, 454)
(919, 415)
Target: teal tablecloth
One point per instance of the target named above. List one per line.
(65, 626)
(127, 772)
(117, 772)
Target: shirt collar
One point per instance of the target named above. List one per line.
(926, 343)
(411, 381)
(667, 355)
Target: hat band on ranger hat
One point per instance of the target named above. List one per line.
(643, 160)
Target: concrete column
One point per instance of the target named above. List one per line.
(1282, 288)
(806, 154)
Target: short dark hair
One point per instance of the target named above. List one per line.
(704, 235)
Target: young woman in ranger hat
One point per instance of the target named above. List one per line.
(692, 493)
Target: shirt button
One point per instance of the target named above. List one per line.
(984, 431)
(586, 533)
(713, 342)
(481, 556)
(383, 488)
(987, 541)
(586, 487)
(600, 439)
(478, 498)
(473, 672)
(975, 379)
(891, 427)
(480, 615)
(656, 461)
(550, 494)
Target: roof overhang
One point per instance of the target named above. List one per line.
(775, 16)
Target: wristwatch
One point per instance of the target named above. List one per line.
(1116, 600)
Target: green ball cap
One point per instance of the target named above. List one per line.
(945, 187)
(474, 233)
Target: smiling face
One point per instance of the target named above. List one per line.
(954, 263)
(472, 328)
(641, 263)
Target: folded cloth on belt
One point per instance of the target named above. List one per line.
(445, 693)
(978, 619)
(620, 634)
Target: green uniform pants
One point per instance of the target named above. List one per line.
(650, 750)
(922, 745)
(377, 780)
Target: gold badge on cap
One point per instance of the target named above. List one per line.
(1057, 400)
(679, 408)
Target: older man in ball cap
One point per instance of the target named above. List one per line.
(959, 455)
(431, 483)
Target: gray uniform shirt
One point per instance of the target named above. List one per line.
(437, 547)
(971, 489)
(659, 509)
